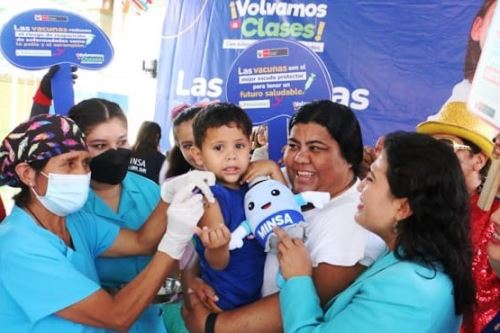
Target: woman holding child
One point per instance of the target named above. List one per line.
(324, 153)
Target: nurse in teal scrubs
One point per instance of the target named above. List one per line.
(120, 197)
(48, 245)
(414, 197)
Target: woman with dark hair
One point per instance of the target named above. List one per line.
(323, 153)
(471, 140)
(145, 159)
(414, 198)
(120, 197)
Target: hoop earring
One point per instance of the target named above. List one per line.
(395, 227)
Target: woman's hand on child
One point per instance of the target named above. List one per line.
(214, 238)
(292, 255)
(196, 315)
(205, 294)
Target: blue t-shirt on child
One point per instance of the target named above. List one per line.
(240, 282)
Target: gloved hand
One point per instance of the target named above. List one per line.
(184, 212)
(202, 180)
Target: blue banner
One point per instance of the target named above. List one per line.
(393, 62)
(271, 79)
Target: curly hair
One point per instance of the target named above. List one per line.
(436, 234)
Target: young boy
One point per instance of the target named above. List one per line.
(222, 144)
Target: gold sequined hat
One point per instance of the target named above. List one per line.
(455, 119)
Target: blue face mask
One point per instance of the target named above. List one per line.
(65, 194)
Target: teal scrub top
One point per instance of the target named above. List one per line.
(390, 296)
(139, 197)
(40, 275)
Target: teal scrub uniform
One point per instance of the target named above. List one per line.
(392, 295)
(40, 275)
(139, 197)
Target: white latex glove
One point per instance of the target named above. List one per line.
(201, 179)
(318, 199)
(183, 214)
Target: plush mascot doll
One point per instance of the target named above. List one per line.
(269, 203)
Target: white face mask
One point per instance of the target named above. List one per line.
(66, 194)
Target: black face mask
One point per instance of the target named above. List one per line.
(111, 166)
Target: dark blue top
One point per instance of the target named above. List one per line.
(240, 282)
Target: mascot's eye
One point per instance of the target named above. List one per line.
(251, 205)
(275, 192)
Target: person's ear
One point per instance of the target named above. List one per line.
(26, 174)
(475, 31)
(404, 209)
(480, 160)
(196, 153)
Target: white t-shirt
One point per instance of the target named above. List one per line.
(332, 237)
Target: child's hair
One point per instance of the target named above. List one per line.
(148, 138)
(473, 51)
(218, 115)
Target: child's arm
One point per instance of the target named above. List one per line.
(215, 236)
(264, 168)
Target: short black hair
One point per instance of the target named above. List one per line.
(343, 126)
(218, 115)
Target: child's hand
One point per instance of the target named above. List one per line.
(205, 293)
(214, 238)
(262, 168)
(292, 255)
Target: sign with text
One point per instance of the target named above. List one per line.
(41, 38)
(484, 98)
(271, 79)
(393, 63)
